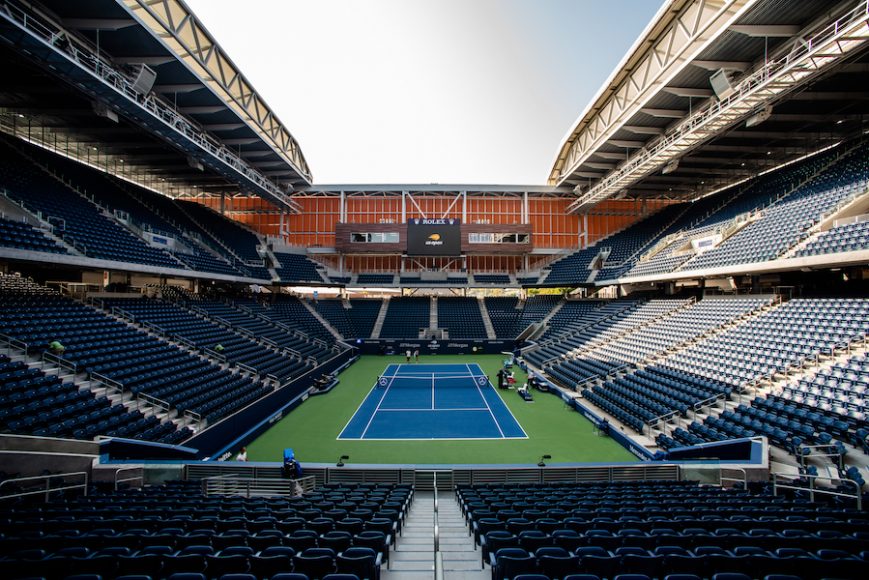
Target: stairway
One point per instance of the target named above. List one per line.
(433, 313)
(413, 556)
(316, 314)
(381, 316)
(487, 322)
(52, 366)
(12, 210)
(461, 559)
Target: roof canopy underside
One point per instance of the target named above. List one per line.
(665, 81)
(192, 73)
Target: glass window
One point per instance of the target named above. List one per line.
(493, 238)
(374, 238)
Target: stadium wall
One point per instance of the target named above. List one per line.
(446, 346)
(247, 424)
(551, 225)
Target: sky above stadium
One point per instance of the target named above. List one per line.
(427, 91)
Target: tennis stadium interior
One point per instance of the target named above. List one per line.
(652, 366)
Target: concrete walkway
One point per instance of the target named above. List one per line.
(413, 556)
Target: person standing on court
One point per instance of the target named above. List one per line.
(407, 354)
(416, 355)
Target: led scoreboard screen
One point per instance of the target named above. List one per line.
(434, 237)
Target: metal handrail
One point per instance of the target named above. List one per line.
(438, 558)
(858, 496)
(108, 383)
(723, 478)
(48, 489)
(247, 368)
(140, 477)
(153, 401)
(257, 486)
(13, 342)
(750, 86)
(47, 357)
(194, 416)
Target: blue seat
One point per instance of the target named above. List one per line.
(556, 565)
(177, 564)
(187, 576)
(509, 566)
(315, 562)
(220, 565)
(496, 540)
(337, 540)
(363, 562)
(603, 566)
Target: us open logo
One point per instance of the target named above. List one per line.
(434, 240)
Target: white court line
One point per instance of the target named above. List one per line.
(380, 402)
(432, 391)
(447, 439)
(359, 406)
(425, 377)
(506, 406)
(482, 396)
(428, 410)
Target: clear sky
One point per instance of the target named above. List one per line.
(427, 91)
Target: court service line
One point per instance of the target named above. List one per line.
(432, 392)
(430, 410)
(482, 396)
(380, 402)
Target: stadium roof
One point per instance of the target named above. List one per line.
(438, 189)
(193, 75)
(796, 73)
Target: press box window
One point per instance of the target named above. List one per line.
(492, 238)
(374, 237)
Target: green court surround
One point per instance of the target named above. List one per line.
(554, 429)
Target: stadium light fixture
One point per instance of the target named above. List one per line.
(759, 117)
(670, 167)
(542, 462)
(341, 460)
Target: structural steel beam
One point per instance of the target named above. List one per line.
(175, 25)
(664, 113)
(680, 32)
(766, 30)
(819, 49)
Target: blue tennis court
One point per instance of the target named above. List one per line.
(433, 401)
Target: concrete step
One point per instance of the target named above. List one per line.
(470, 555)
(463, 565)
(417, 541)
(406, 575)
(413, 565)
(467, 575)
(420, 554)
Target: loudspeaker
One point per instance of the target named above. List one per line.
(143, 78)
(721, 84)
(102, 110)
